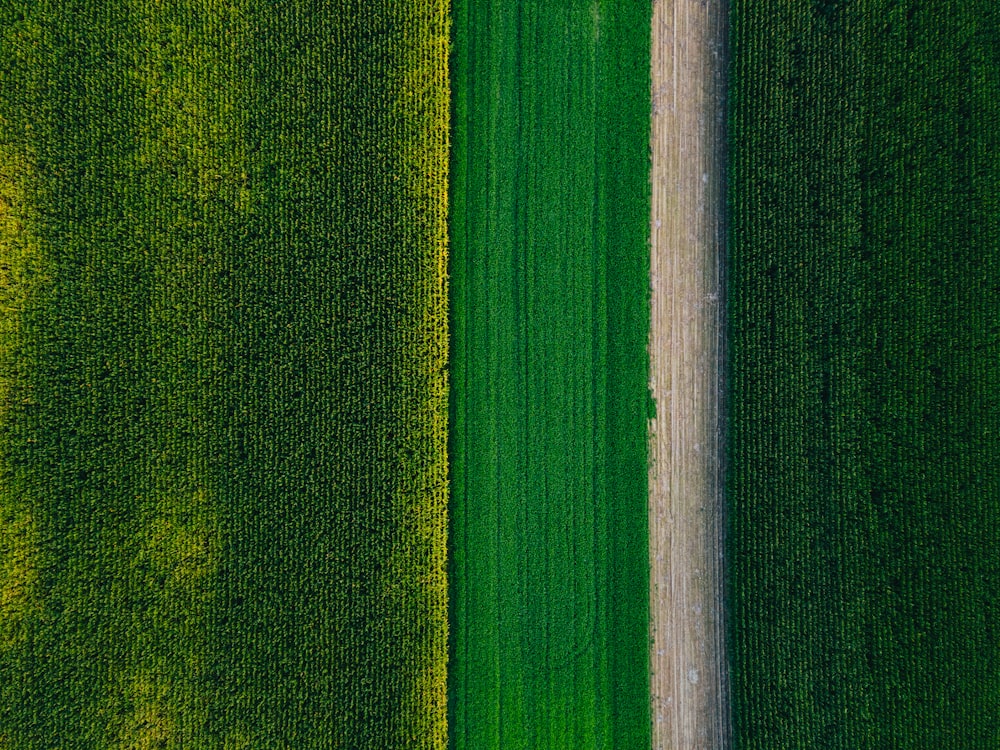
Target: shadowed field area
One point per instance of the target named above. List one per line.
(864, 326)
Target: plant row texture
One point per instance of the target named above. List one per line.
(223, 394)
(864, 377)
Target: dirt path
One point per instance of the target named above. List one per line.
(689, 678)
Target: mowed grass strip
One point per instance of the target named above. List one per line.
(864, 480)
(223, 403)
(550, 308)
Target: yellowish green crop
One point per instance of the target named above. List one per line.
(223, 384)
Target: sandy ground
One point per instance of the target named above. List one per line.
(689, 679)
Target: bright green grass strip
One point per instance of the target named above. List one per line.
(222, 412)
(549, 375)
(864, 479)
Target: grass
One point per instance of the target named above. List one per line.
(863, 309)
(549, 279)
(223, 405)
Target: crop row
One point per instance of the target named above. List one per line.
(223, 400)
(863, 479)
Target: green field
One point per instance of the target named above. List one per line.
(864, 335)
(222, 386)
(549, 279)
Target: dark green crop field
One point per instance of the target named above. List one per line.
(864, 334)
(222, 387)
(549, 280)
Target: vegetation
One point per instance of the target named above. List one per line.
(864, 326)
(549, 276)
(223, 395)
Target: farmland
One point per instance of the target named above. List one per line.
(863, 315)
(550, 304)
(222, 374)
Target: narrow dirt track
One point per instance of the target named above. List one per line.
(689, 679)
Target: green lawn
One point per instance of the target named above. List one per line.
(222, 400)
(864, 334)
(549, 281)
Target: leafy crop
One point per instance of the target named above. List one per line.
(863, 331)
(223, 404)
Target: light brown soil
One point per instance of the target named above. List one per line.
(689, 677)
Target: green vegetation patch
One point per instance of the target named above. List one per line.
(223, 334)
(864, 329)
(550, 308)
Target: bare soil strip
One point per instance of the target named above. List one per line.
(689, 680)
